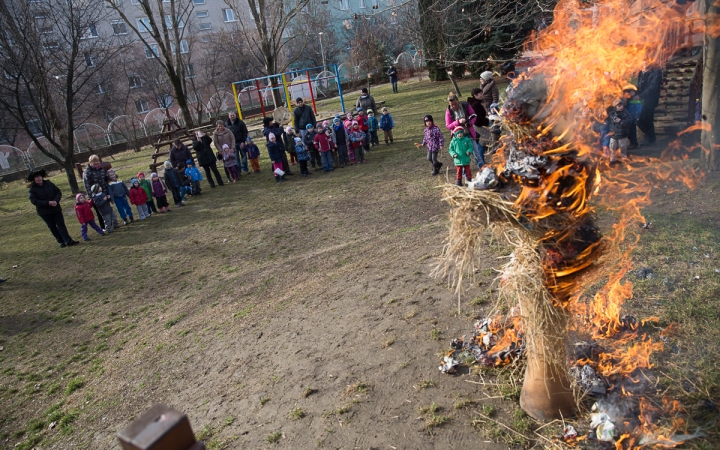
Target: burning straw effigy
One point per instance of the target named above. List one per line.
(537, 196)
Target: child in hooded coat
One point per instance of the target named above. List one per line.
(341, 138)
(290, 144)
(119, 193)
(357, 139)
(460, 149)
(324, 144)
(139, 198)
(193, 173)
(275, 153)
(102, 203)
(174, 182)
(303, 156)
(145, 184)
(84, 212)
(373, 126)
(253, 154)
(309, 141)
(159, 191)
(432, 139)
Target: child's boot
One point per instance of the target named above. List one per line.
(125, 222)
(459, 182)
(132, 219)
(277, 179)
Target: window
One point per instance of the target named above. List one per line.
(228, 15)
(90, 32)
(35, 127)
(165, 101)
(361, 3)
(189, 71)
(89, 61)
(184, 47)
(134, 82)
(50, 45)
(152, 51)
(142, 106)
(47, 30)
(204, 26)
(201, 14)
(99, 89)
(119, 27)
(344, 5)
(169, 22)
(143, 24)
(40, 14)
(199, 2)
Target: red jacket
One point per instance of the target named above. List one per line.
(323, 143)
(362, 121)
(138, 196)
(84, 212)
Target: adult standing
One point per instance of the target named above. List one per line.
(461, 114)
(240, 131)
(223, 136)
(179, 154)
(206, 158)
(302, 116)
(46, 198)
(392, 74)
(366, 101)
(489, 90)
(649, 81)
(95, 174)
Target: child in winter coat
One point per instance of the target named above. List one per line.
(138, 197)
(119, 192)
(309, 141)
(303, 156)
(620, 123)
(290, 144)
(373, 127)
(175, 182)
(275, 152)
(84, 212)
(357, 139)
(324, 144)
(460, 149)
(362, 121)
(145, 184)
(434, 141)
(341, 141)
(159, 191)
(193, 173)
(331, 130)
(102, 202)
(387, 125)
(230, 162)
(253, 154)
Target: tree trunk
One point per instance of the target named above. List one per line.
(455, 85)
(69, 166)
(710, 137)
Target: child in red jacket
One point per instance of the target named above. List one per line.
(139, 198)
(324, 144)
(83, 209)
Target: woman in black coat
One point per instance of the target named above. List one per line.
(206, 158)
(46, 198)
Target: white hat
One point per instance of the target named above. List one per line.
(487, 75)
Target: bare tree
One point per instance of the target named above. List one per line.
(162, 33)
(56, 69)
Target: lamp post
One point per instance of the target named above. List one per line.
(321, 50)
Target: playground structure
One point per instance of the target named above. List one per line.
(263, 96)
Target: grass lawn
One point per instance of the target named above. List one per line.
(301, 314)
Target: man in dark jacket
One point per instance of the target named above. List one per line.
(302, 116)
(46, 198)
(240, 131)
(392, 75)
(366, 101)
(179, 153)
(206, 158)
(649, 81)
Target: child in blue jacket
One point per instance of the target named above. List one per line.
(373, 127)
(119, 192)
(303, 155)
(387, 125)
(193, 173)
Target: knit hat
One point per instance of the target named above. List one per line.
(189, 162)
(168, 164)
(225, 147)
(271, 136)
(140, 174)
(325, 123)
(111, 171)
(428, 117)
(354, 123)
(154, 175)
(299, 99)
(364, 90)
(298, 140)
(337, 116)
(78, 197)
(458, 130)
(308, 126)
(370, 112)
(359, 110)
(336, 120)
(487, 75)
(289, 130)
(249, 139)
(95, 188)
(384, 108)
(133, 181)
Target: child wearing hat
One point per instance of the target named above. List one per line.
(230, 162)
(275, 152)
(119, 192)
(253, 154)
(303, 156)
(357, 140)
(460, 149)
(84, 212)
(387, 125)
(341, 137)
(138, 197)
(194, 175)
(324, 144)
(175, 182)
(145, 184)
(290, 144)
(102, 203)
(159, 192)
(434, 141)
(620, 123)
(373, 127)
(309, 141)
(362, 121)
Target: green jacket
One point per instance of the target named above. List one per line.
(460, 150)
(147, 187)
